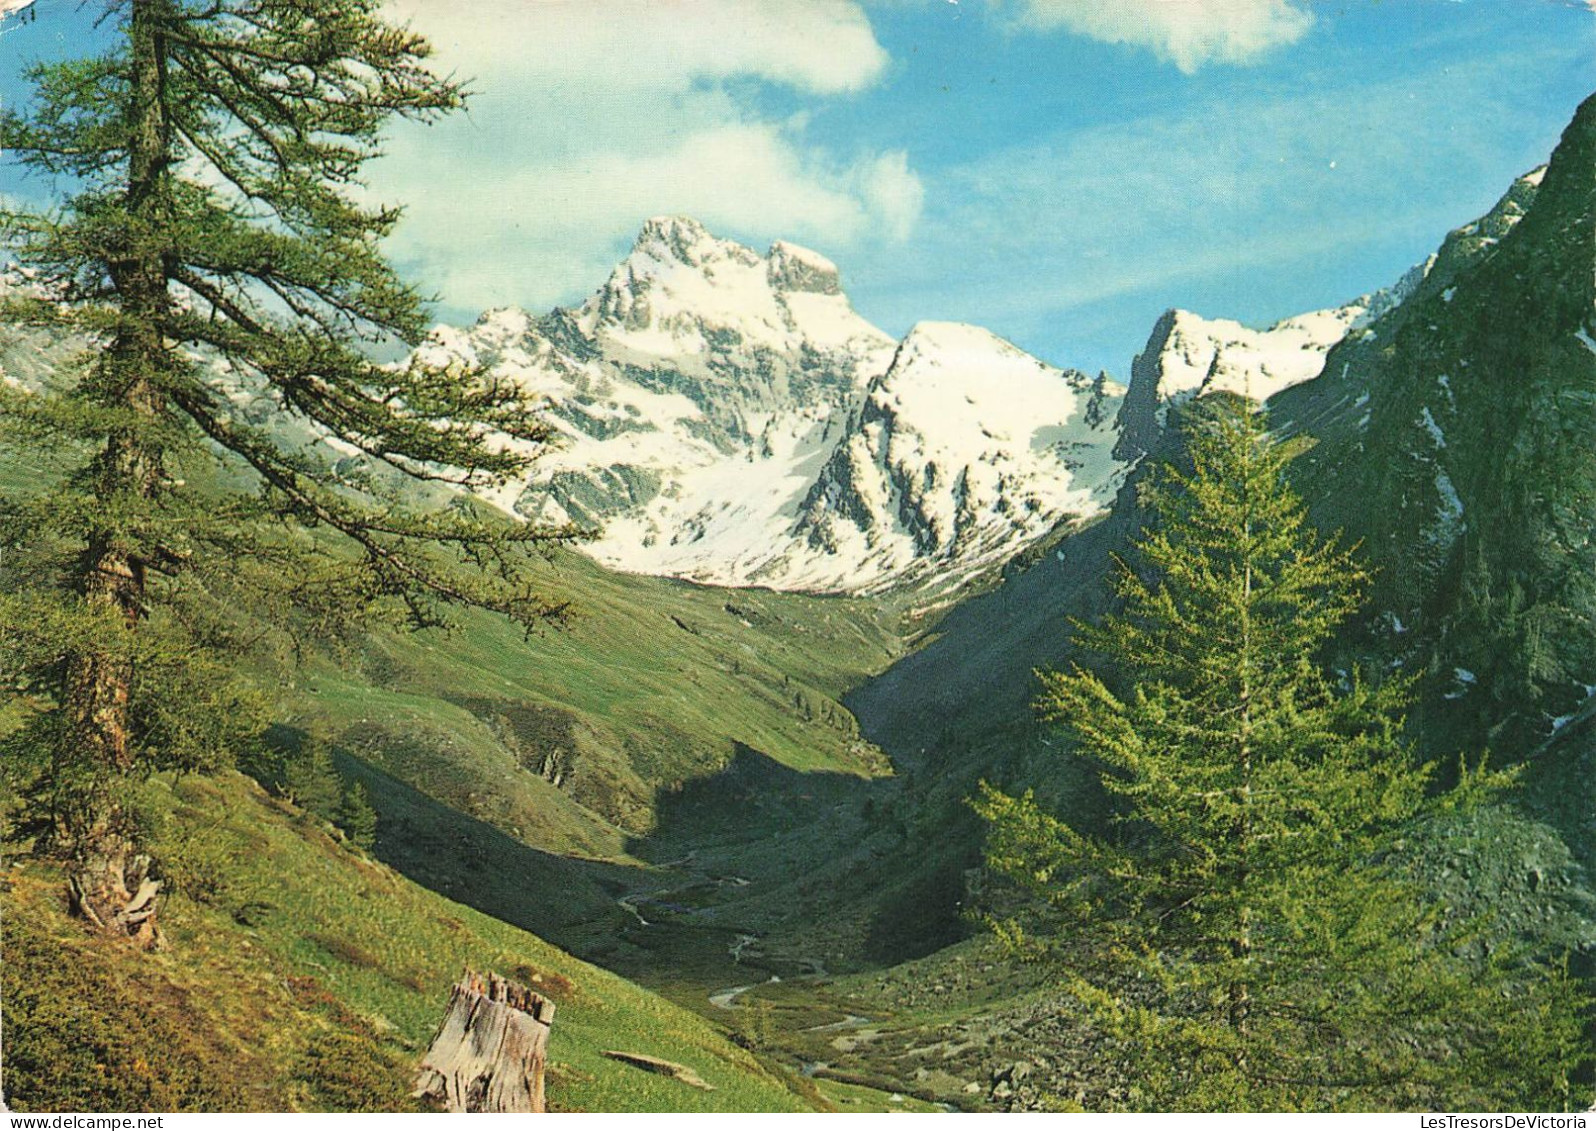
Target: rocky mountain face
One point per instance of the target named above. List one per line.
(695, 392)
(1455, 439)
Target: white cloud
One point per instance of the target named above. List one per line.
(823, 46)
(587, 118)
(545, 233)
(1188, 33)
(893, 192)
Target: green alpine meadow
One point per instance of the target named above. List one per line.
(490, 622)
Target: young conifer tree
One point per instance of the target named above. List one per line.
(1240, 927)
(356, 816)
(212, 221)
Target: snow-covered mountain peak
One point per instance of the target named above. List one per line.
(677, 266)
(501, 326)
(949, 339)
(681, 239)
(683, 292)
(974, 349)
(965, 447)
(729, 418)
(1188, 356)
(964, 383)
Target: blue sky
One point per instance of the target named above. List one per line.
(1059, 171)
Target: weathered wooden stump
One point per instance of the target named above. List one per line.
(491, 1049)
(661, 1066)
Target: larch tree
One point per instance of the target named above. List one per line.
(1241, 924)
(212, 234)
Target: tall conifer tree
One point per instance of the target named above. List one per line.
(1240, 925)
(213, 219)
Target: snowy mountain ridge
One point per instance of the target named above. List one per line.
(1189, 356)
(727, 417)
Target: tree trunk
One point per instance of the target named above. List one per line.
(1241, 943)
(111, 886)
(113, 890)
(490, 1052)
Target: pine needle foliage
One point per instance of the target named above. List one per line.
(212, 237)
(1242, 927)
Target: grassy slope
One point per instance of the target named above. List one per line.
(328, 994)
(569, 743)
(655, 687)
(654, 683)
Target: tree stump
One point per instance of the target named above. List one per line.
(490, 1050)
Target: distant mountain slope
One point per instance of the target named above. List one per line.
(1451, 433)
(1464, 387)
(976, 673)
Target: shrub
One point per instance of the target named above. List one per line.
(348, 1071)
